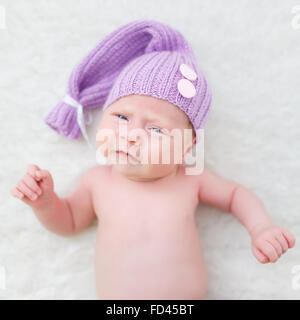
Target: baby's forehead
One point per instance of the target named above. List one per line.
(150, 107)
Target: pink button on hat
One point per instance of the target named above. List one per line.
(143, 57)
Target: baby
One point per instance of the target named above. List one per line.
(147, 241)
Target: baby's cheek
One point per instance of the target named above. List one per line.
(107, 141)
(148, 147)
(161, 150)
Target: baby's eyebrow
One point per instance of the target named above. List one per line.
(160, 119)
(149, 116)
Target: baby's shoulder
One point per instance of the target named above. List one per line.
(197, 180)
(96, 173)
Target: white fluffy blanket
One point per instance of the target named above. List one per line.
(249, 51)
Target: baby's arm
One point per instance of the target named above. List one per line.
(268, 241)
(63, 216)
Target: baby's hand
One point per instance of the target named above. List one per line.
(269, 242)
(36, 187)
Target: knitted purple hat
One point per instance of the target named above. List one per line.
(144, 57)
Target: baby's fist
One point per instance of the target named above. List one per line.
(36, 186)
(270, 242)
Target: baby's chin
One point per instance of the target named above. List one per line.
(143, 172)
(138, 170)
(134, 171)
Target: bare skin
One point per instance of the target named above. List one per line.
(148, 245)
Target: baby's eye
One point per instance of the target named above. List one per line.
(157, 130)
(121, 116)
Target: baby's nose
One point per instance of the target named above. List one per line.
(134, 139)
(132, 134)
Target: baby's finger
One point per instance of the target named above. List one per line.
(259, 255)
(46, 183)
(21, 186)
(284, 244)
(32, 169)
(45, 176)
(267, 249)
(42, 174)
(289, 238)
(276, 246)
(17, 193)
(32, 184)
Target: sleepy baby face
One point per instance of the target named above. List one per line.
(142, 126)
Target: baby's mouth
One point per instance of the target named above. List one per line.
(128, 155)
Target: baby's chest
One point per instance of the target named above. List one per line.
(144, 206)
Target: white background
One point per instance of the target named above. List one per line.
(250, 54)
